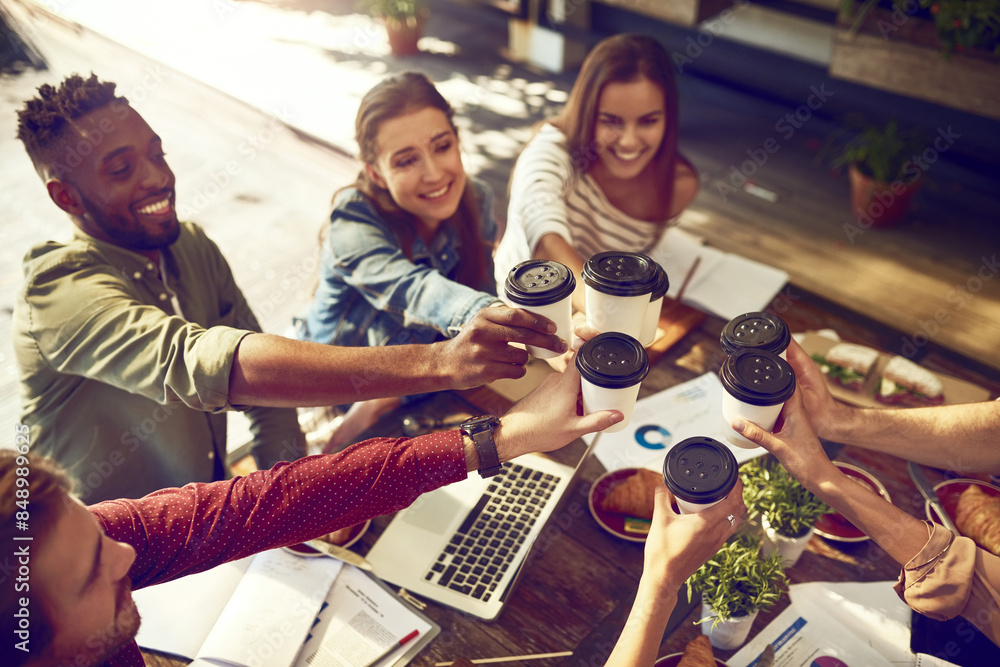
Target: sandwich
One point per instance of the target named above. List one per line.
(905, 383)
(847, 364)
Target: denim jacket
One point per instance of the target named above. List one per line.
(370, 294)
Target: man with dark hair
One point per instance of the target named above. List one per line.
(85, 561)
(133, 339)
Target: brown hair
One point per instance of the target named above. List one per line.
(32, 491)
(622, 58)
(42, 123)
(396, 96)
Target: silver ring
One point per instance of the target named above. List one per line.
(732, 520)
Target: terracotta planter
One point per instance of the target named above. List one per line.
(404, 34)
(878, 204)
(790, 548)
(729, 634)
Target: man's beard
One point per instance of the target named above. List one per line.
(128, 232)
(104, 644)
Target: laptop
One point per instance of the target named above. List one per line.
(463, 545)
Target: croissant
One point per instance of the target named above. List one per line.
(698, 653)
(634, 496)
(977, 515)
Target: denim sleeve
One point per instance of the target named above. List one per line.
(363, 253)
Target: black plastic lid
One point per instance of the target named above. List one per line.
(757, 331)
(539, 282)
(758, 377)
(662, 283)
(612, 360)
(700, 470)
(620, 273)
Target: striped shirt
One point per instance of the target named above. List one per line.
(549, 196)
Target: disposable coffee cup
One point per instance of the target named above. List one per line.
(543, 287)
(618, 286)
(756, 331)
(756, 384)
(612, 367)
(652, 319)
(700, 472)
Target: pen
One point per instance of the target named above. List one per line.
(401, 642)
(687, 279)
(512, 658)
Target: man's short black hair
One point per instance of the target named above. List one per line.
(42, 124)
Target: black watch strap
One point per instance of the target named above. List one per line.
(480, 431)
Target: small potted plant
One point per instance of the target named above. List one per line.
(786, 510)
(884, 168)
(403, 21)
(735, 584)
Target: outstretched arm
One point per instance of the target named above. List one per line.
(276, 371)
(942, 574)
(676, 547)
(799, 451)
(957, 437)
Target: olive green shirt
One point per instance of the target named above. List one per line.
(125, 372)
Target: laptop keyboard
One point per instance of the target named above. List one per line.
(484, 546)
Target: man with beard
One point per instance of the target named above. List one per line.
(71, 603)
(133, 339)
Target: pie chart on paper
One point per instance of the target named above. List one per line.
(652, 436)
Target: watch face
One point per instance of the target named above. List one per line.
(477, 424)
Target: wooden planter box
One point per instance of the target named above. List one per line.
(908, 61)
(679, 12)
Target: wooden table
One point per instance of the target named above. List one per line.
(578, 592)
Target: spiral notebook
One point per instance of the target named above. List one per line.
(283, 610)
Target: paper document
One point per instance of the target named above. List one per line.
(663, 419)
(365, 622)
(838, 625)
(725, 284)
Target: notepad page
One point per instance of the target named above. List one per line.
(178, 615)
(271, 610)
(725, 284)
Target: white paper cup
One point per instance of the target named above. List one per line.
(610, 313)
(596, 398)
(700, 472)
(543, 287)
(612, 366)
(561, 313)
(758, 331)
(762, 415)
(651, 321)
(755, 385)
(618, 286)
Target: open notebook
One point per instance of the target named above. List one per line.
(281, 610)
